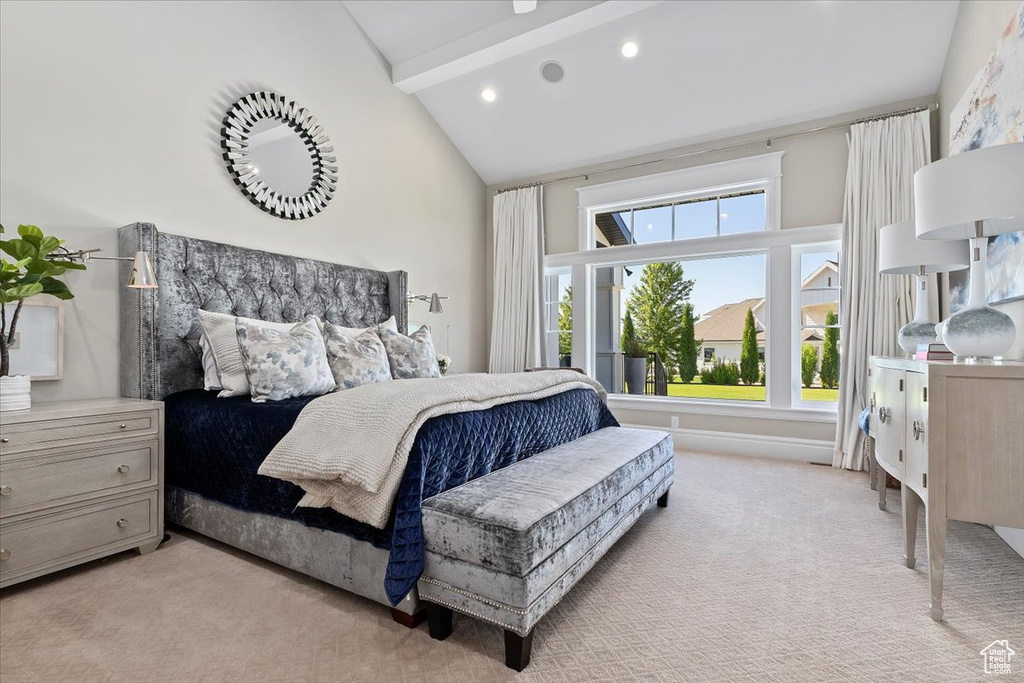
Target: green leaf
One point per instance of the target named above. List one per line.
(44, 267)
(70, 265)
(19, 249)
(48, 244)
(55, 287)
(30, 231)
(23, 291)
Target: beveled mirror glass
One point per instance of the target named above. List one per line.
(279, 155)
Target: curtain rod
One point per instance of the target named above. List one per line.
(762, 141)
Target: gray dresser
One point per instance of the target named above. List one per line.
(952, 433)
(79, 480)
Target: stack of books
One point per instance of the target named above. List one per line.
(933, 352)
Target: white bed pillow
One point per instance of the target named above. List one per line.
(211, 380)
(219, 329)
(356, 359)
(411, 356)
(282, 364)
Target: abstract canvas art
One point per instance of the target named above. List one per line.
(991, 112)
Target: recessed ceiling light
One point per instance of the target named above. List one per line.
(630, 50)
(489, 95)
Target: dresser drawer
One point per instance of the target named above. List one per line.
(76, 535)
(76, 430)
(33, 483)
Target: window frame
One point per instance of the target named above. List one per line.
(762, 170)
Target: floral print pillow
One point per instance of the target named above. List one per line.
(356, 359)
(411, 356)
(282, 364)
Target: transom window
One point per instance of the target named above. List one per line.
(708, 215)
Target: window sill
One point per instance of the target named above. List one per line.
(722, 408)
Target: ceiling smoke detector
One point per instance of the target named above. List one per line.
(552, 72)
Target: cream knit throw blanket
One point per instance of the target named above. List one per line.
(348, 450)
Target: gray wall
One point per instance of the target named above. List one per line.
(813, 180)
(977, 29)
(813, 184)
(110, 113)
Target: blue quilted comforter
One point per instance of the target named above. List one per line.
(214, 447)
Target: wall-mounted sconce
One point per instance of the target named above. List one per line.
(433, 299)
(142, 275)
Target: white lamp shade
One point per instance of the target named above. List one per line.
(900, 252)
(984, 184)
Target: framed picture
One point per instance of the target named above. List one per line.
(991, 112)
(38, 348)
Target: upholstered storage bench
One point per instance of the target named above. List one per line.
(506, 547)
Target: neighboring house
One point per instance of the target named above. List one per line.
(721, 330)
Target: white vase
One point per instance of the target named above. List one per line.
(978, 330)
(15, 392)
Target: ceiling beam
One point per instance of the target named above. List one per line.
(549, 23)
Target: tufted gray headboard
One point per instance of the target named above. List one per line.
(160, 330)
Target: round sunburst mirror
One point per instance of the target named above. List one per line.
(279, 155)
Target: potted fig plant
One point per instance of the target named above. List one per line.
(30, 264)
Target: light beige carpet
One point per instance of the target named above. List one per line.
(757, 571)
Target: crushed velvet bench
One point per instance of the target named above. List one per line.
(506, 547)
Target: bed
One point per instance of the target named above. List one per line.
(214, 445)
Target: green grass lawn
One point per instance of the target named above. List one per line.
(743, 392)
(817, 394)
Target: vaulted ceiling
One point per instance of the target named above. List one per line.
(703, 70)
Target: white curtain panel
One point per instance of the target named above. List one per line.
(879, 191)
(517, 323)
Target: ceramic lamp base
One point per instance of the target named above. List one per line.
(15, 392)
(978, 332)
(915, 333)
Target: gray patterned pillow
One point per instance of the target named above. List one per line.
(356, 359)
(282, 364)
(411, 356)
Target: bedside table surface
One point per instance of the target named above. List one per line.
(92, 406)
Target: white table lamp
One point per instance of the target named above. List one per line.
(973, 195)
(901, 253)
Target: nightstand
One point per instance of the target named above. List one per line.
(79, 480)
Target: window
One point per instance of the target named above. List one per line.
(816, 325)
(701, 216)
(701, 322)
(558, 315)
(707, 236)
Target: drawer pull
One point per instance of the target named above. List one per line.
(123, 469)
(918, 430)
(122, 426)
(122, 523)
(901, 455)
(6, 490)
(4, 439)
(884, 414)
(5, 554)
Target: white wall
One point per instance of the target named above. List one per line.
(110, 113)
(978, 27)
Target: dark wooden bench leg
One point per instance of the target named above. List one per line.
(408, 620)
(439, 621)
(517, 650)
(663, 501)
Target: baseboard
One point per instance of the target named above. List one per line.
(1013, 537)
(732, 443)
